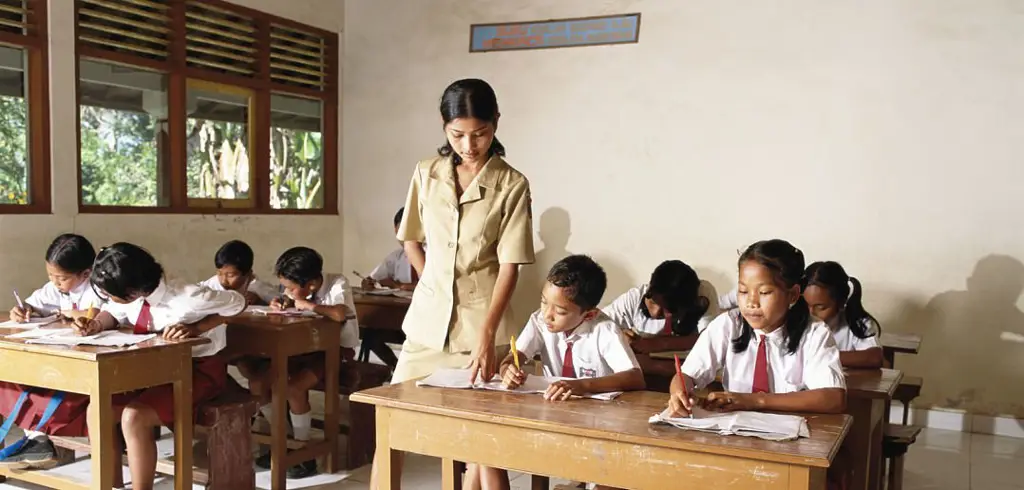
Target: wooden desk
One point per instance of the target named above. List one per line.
(278, 338)
(101, 372)
(609, 443)
(892, 343)
(380, 321)
(868, 393)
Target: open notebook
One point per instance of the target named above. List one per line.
(769, 426)
(459, 378)
(266, 310)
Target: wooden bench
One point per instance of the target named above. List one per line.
(226, 421)
(898, 439)
(360, 428)
(908, 389)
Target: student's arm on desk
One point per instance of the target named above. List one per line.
(822, 400)
(337, 313)
(631, 380)
(868, 358)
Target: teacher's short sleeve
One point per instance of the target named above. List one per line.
(411, 227)
(515, 242)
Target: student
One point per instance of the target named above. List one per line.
(68, 264)
(140, 297)
(664, 315)
(395, 271)
(234, 273)
(772, 355)
(574, 339)
(830, 299)
(300, 272)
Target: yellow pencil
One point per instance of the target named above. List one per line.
(88, 313)
(515, 353)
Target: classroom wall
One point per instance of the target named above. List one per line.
(883, 134)
(185, 244)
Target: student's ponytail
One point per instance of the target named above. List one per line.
(857, 318)
(786, 263)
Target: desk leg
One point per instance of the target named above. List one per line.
(451, 474)
(389, 469)
(101, 420)
(278, 426)
(860, 442)
(333, 366)
(538, 482)
(879, 416)
(805, 478)
(183, 425)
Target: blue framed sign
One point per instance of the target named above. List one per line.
(556, 33)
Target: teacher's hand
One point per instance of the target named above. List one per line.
(483, 362)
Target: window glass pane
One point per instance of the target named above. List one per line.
(123, 118)
(296, 153)
(14, 145)
(217, 133)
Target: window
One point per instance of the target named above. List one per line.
(201, 106)
(24, 109)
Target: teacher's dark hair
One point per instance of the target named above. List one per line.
(469, 98)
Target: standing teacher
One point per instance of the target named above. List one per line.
(473, 209)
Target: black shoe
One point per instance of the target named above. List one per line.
(263, 461)
(304, 469)
(36, 454)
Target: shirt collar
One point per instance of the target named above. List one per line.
(159, 294)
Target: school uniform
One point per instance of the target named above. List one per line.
(177, 302)
(847, 341)
(629, 311)
(470, 237)
(265, 291)
(396, 267)
(814, 365)
(595, 349)
(49, 300)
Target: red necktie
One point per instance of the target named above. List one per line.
(568, 370)
(145, 318)
(74, 306)
(761, 367)
(667, 329)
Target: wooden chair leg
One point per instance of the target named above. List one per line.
(231, 464)
(896, 473)
(362, 435)
(906, 412)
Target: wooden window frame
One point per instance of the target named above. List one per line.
(180, 74)
(37, 84)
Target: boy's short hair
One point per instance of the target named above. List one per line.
(583, 280)
(300, 265)
(124, 270)
(236, 253)
(398, 216)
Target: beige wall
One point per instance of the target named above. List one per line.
(184, 244)
(884, 134)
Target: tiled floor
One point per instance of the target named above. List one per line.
(940, 460)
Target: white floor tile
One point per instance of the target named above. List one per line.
(1008, 447)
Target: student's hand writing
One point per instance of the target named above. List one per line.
(730, 402)
(369, 284)
(21, 315)
(304, 304)
(407, 286)
(278, 303)
(679, 404)
(562, 390)
(483, 362)
(513, 377)
(180, 331)
(84, 326)
(252, 298)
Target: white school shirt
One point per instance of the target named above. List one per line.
(336, 291)
(599, 347)
(48, 300)
(396, 267)
(265, 291)
(847, 341)
(730, 300)
(627, 311)
(175, 301)
(814, 365)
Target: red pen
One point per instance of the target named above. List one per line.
(682, 380)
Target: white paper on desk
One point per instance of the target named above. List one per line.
(35, 323)
(768, 426)
(266, 310)
(41, 332)
(382, 292)
(110, 338)
(459, 378)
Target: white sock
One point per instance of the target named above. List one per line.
(301, 424)
(39, 436)
(268, 412)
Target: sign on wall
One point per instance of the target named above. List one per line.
(557, 33)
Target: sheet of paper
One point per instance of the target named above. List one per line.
(382, 292)
(35, 323)
(769, 426)
(459, 378)
(41, 332)
(110, 338)
(266, 310)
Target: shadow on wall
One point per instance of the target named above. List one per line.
(972, 349)
(554, 231)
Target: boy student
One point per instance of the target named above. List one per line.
(575, 340)
(307, 288)
(395, 271)
(234, 273)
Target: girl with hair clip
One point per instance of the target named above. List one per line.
(831, 299)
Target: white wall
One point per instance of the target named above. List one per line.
(185, 244)
(882, 134)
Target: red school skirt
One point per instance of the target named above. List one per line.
(70, 419)
(209, 377)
